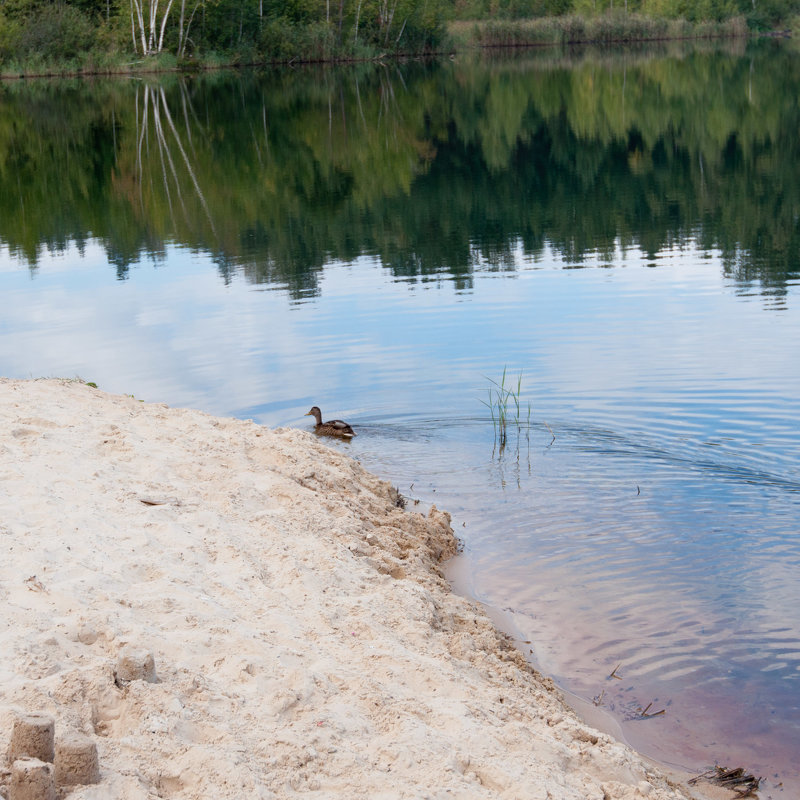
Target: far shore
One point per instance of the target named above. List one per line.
(462, 37)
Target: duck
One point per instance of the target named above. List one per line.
(334, 427)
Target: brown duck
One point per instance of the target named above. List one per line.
(334, 427)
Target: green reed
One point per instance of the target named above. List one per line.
(605, 28)
(504, 404)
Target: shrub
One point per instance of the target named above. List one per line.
(55, 33)
(9, 38)
(281, 40)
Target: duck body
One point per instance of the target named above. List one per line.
(333, 427)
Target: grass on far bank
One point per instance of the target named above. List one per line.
(89, 64)
(576, 29)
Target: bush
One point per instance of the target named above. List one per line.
(281, 40)
(55, 33)
(9, 38)
(423, 32)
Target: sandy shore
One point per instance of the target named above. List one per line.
(304, 638)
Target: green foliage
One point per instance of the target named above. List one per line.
(763, 15)
(295, 12)
(9, 36)
(57, 31)
(239, 31)
(285, 41)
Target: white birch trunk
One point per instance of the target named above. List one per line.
(151, 35)
(163, 26)
(185, 26)
(136, 5)
(151, 32)
(358, 15)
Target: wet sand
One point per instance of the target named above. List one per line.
(304, 637)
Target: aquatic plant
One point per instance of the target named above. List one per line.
(502, 398)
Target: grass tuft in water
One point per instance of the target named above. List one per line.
(503, 402)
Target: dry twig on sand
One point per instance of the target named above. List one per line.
(737, 780)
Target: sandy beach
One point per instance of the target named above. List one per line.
(304, 639)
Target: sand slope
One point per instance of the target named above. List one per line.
(305, 641)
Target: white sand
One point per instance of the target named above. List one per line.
(305, 641)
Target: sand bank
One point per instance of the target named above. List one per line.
(304, 639)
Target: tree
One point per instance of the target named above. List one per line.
(148, 23)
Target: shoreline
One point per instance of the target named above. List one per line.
(304, 635)
(589, 713)
(464, 37)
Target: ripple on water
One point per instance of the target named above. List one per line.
(673, 557)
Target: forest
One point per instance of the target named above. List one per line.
(101, 36)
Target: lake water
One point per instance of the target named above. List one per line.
(619, 231)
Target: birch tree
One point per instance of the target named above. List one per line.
(149, 20)
(148, 24)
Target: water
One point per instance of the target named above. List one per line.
(381, 241)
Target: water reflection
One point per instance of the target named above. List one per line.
(432, 168)
(378, 240)
(655, 555)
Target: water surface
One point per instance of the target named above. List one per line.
(382, 241)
